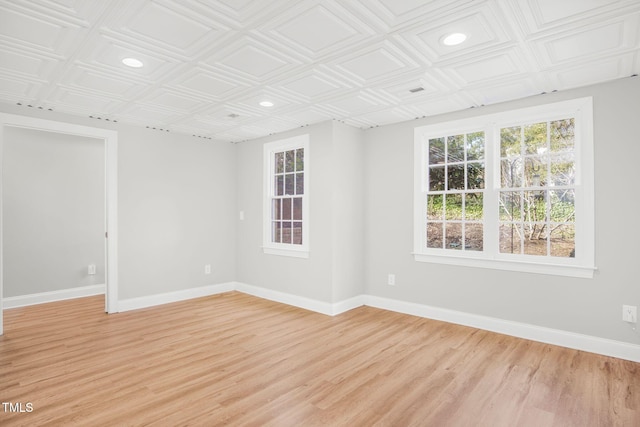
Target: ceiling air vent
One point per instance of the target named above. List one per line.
(416, 89)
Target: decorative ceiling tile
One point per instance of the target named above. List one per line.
(253, 61)
(312, 86)
(402, 7)
(14, 89)
(486, 68)
(550, 11)
(594, 41)
(174, 101)
(545, 15)
(396, 13)
(108, 53)
(607, 69)
(376, 64)
(76, 101)
(412, 88)
(22, 28)
(244, 12)
(94, 82)
(21, 63)
(355, 103)
(316, 29)
(207, 64)
(203, 83)
(281, 102)
(481, 24)
(164, 25)
(505, 90)
(230, 114)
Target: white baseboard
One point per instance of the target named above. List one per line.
(52, 296)
(285, 298)
(591, 344)
(348, 304)
(169, 297)
(588, 343)
(302, 302)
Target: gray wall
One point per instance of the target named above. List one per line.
(53, 211)
(334, 269)
(177, 203)
(348, 212)
(586, 306)
(176, 207)
(307, 277)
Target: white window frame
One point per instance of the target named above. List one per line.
(270, 149)
(583, 264)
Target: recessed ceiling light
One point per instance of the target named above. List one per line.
(266, 104)
(132, 62)
(454, 39)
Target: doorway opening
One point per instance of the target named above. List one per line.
(11, 123)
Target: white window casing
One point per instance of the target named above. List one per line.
(286, 197)
(582, 261)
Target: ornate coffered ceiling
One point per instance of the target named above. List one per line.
(208, 64)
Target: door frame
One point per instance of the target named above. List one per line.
(110, 139)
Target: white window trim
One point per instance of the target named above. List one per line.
(285, 249)
(583, 265)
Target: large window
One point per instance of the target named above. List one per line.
(509, 191)
(286, 165)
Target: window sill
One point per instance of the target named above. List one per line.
(509, 265)
(295, 253)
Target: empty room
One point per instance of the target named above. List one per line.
(319, 213)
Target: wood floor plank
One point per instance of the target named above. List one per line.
(233, 359)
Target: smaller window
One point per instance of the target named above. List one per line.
(286, 207)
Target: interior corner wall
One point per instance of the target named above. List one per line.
(53, 219)
(176, 207)
(303, 277)
(348, 251)
(584, 306)
(334, 270)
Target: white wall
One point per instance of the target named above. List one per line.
(586, 306)
(53, 219)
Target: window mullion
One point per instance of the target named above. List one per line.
(491, 191)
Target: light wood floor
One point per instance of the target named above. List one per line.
(237, 360)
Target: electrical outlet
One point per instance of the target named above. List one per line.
(91, 270)
(391, 280)
(630, 313)
(207, 269)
